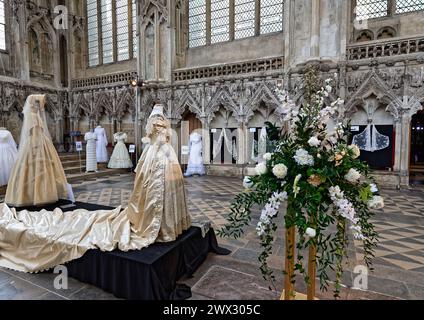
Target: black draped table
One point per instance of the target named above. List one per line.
(148, 274)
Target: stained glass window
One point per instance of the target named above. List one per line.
(197, 23)
(244, 19)
(271, 16)
(93, 33)
(368, 9)
(220, 21)
(409, 5)
(2, 26)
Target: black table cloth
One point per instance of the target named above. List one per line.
(150, 273)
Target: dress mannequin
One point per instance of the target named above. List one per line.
(120, 157)
(101, 150)
(37, 177)
(157, 212)
(91, 160)
(8, 155)
(195, 161)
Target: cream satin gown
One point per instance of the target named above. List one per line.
(35, 241)
(37, 177)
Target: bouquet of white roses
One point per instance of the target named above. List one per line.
(317, 175)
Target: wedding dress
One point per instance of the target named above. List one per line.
(157, 211)
(101, 150)
(37, 177)
(91, 158)
(8, 155)
(120, 158)
(195, 160)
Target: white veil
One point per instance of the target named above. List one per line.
(34, 115)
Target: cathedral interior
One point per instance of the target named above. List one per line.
(215, 66)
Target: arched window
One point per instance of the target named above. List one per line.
(214, 21)
(112, 31)
(2, 26)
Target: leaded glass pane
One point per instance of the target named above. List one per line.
(122, 30)
(409, 5)
(134, 28)
(220, 21)
(244, 20)
(272, 12)
(368, 9)
(93, 33)
(107, 40)
(197, 23)
(2, 37)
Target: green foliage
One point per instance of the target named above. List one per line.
(310, 204)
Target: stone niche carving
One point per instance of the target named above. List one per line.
(40, 51)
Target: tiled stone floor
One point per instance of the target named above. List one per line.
(399, 262)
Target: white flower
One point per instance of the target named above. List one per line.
(247, 182)
(376, 202)
(270, 211)
(261, 168)
(357, 232)
(145, 140)
(328, 88)
(374, 188)
(353, 176)
(267, 156)
(280, 170)
(311, 232)
(296, 189)
(303, 158)
(314, 142)
(355, 150)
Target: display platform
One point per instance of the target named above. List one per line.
(148, 274)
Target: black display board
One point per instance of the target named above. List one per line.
(381, 159)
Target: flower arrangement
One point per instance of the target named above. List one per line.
(317, 175)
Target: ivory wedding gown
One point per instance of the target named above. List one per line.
(120, 158)
(37, 177)
(8, 155)
(157, 211)
(101, 146)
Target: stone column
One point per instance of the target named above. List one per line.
(405, 150)
(398, 144)
(206, 141)
(315, 28)
(242, 136)
(59, 133)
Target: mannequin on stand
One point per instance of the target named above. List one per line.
(8, 155)
(120, 158)
(195, 160)
(101, 150)
(37, 177)
(91, 160)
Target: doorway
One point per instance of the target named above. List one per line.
(417, 149)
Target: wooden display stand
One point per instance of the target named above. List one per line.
(289, 292)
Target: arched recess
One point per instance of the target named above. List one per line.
(189, 123)
(223, 145)
(373, 129)
(261, 114)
